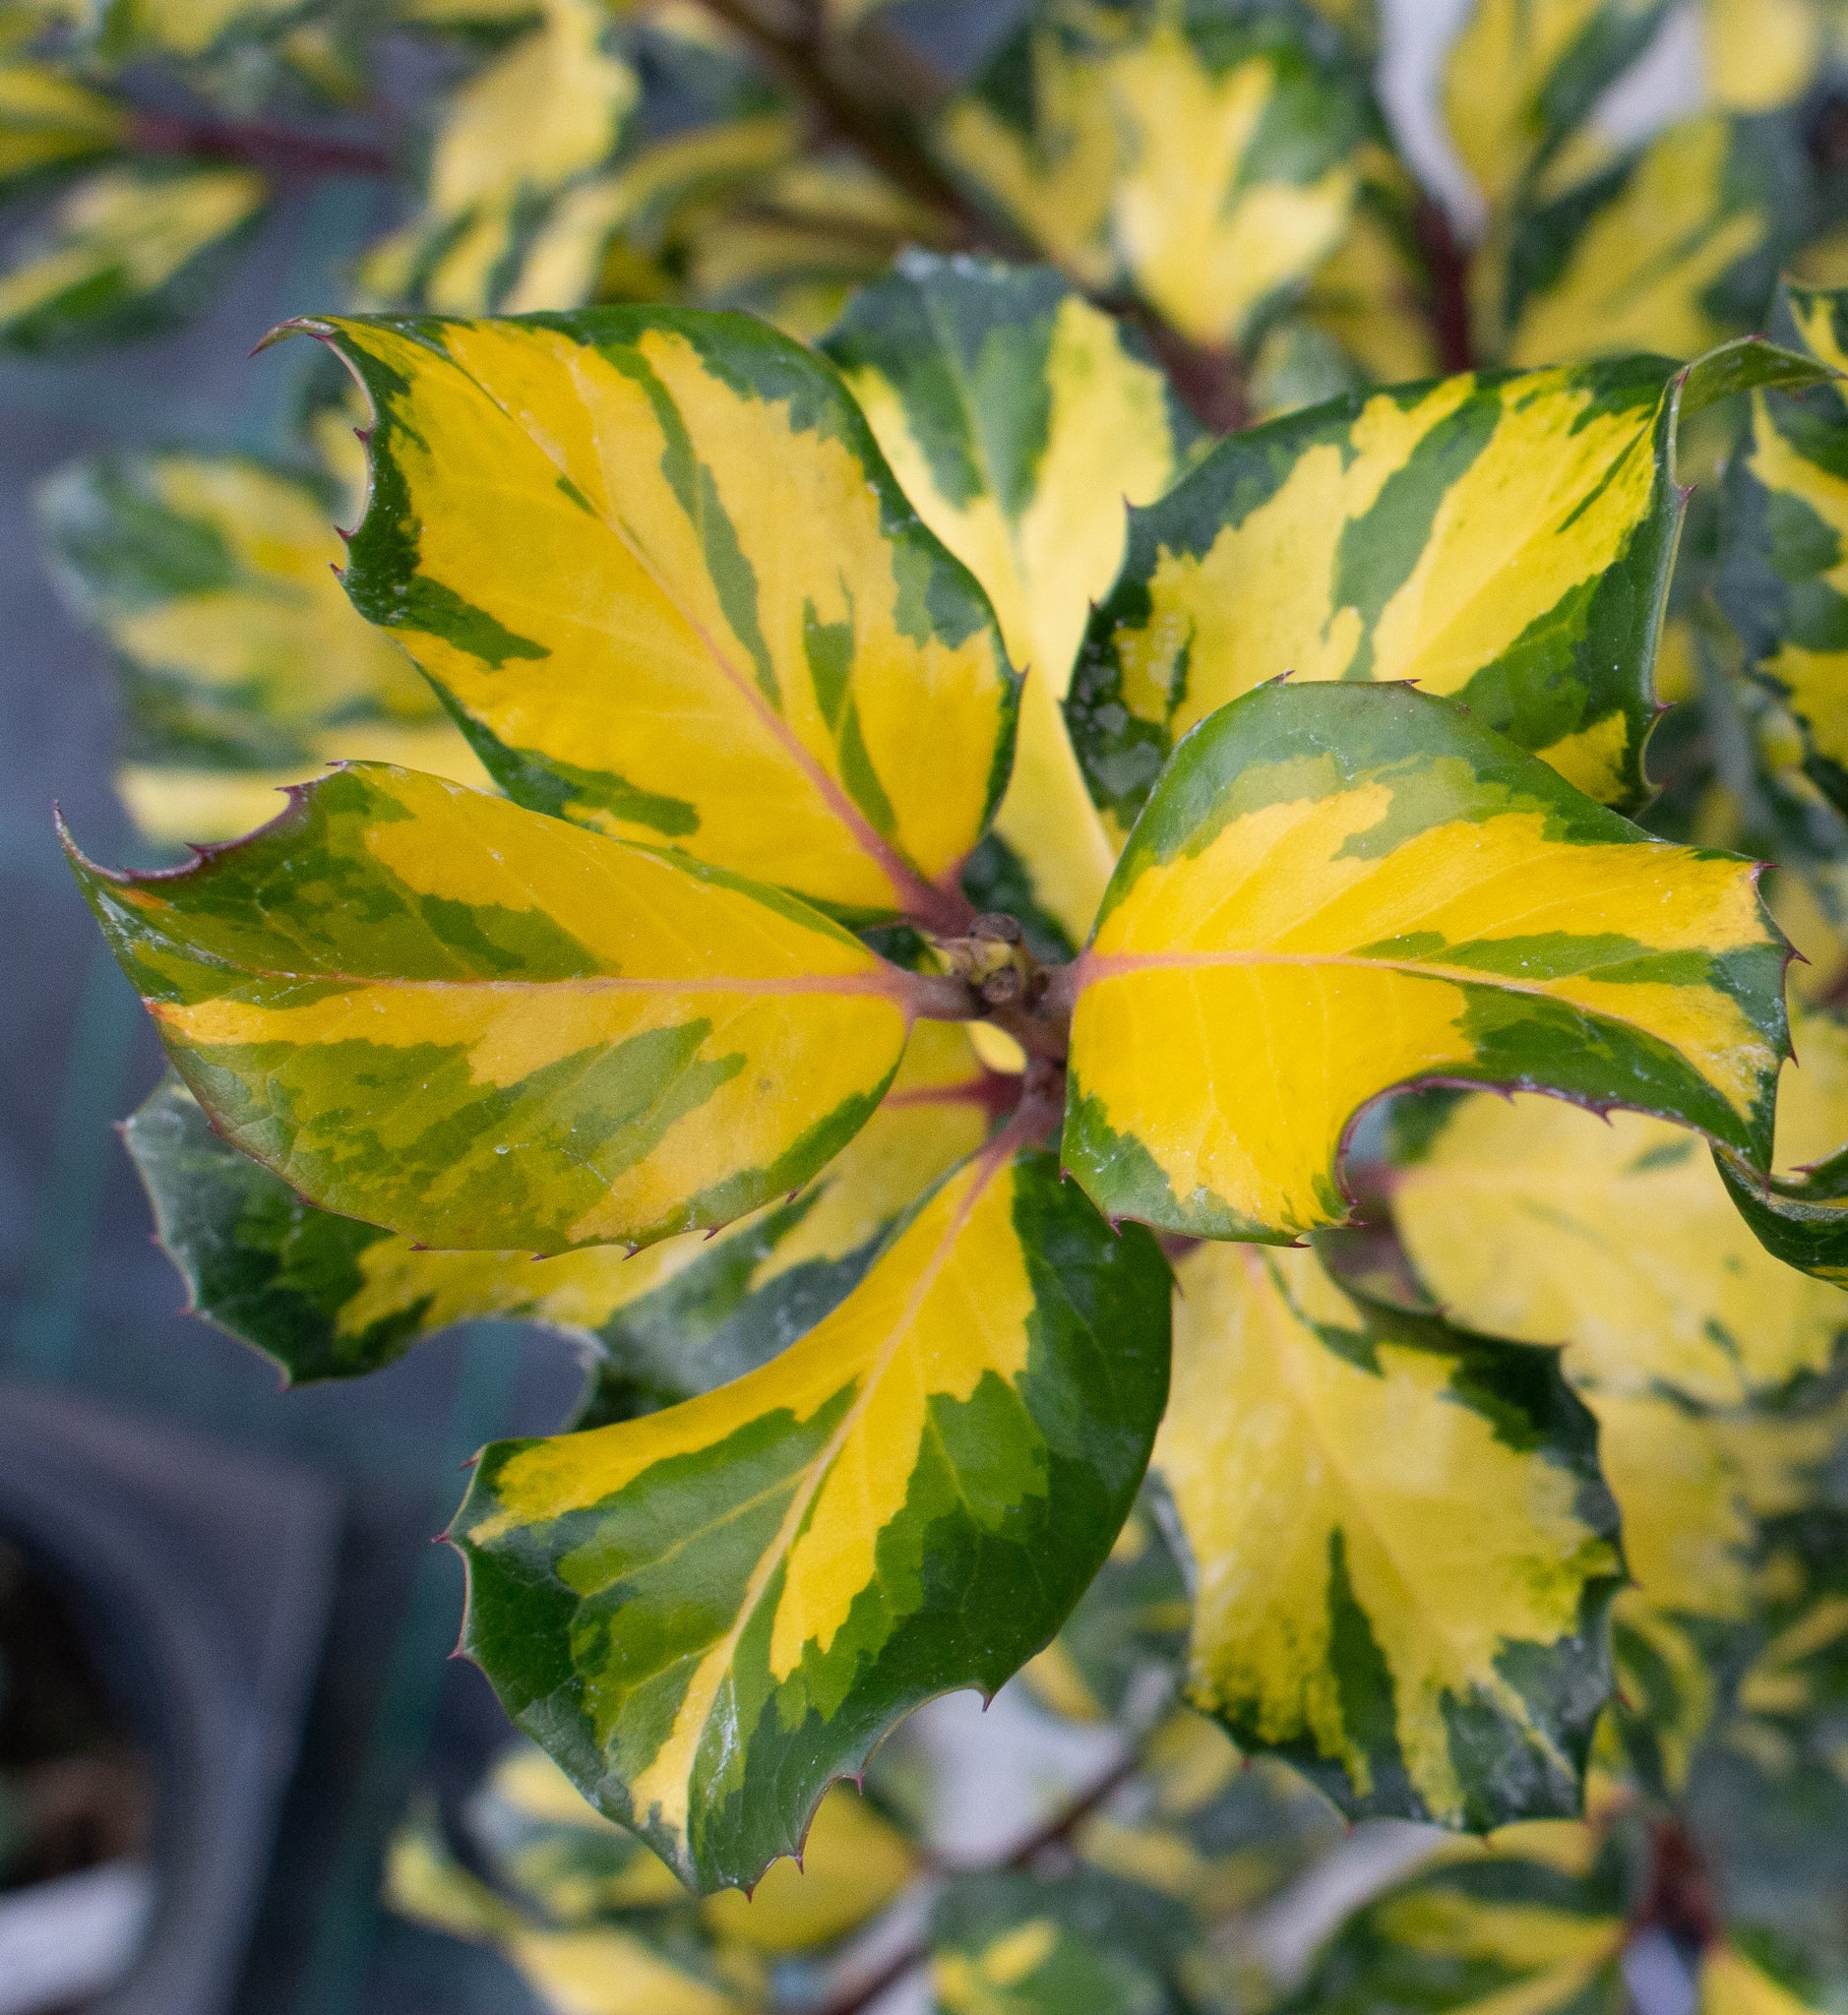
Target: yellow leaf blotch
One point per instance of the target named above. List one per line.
(946, 1306)
(1284, 1454)
(1492, 79)
(615, 586)
(1290, 1028)
(1636, 277)
(1547, 505)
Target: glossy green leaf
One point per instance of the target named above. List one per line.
(125, 252)
(1534, 1923)
(571, 512)
(1337, 889)
(1402, 1549)
(1506, 542)
(327, 1297)
(707, 1614)
(486, 1028)
(1021, 421)
(1121, 1649)
(1207, 154)
(50, 120)
(1016, 1944)
(244, 667)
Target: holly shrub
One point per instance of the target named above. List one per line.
(998, 823)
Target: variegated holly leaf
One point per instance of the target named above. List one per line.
(1219, 1832)
(1370, 299)
(1121, 1649)
(581, 528)
(1671, 250)
(243, 665)
(118, 32)
(489, 1029)
(1520, 79)
(327, 1297)
(539, 116)
(1697, 1351)
(1502, 541)
(1535, 1922)
(709, 1614)
(48, 120)
(127, 252)
(1761, 55)
(1745, 1976)
(1785, 572)
(1337, 889)
(1529, 1219)
(533, 1828)
(613, 1968)
(1021, 421)
(1209, 155)
(1020, 1944)
(1403, 1547)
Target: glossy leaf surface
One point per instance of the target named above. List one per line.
(482, 1028)
(707, 1614)
(245, 667)
(1403, 1547)
(1340, 889)
(124, 252)
(1021, 421)
(1209, 154)
(1504, 543)
(328, 1297)
(658, 566)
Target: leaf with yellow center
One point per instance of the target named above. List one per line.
(1505, 541)
(328, 1297)
(1671, 251)
(244, 666)
(1401, 1544)
(126, 252)
(658, 564)
(1209, 154)
(1734, 1982)
(1337, 889)
(707, 1614)
(481, 1027)
(50, 120)
(1533, 1923)
(1021, 421)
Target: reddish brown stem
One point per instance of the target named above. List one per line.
(1448, 267)
(1212, 382)
(282, 149)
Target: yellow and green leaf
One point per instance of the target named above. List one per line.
(1736, 1977)
(1209, 157)
(1022, 1944)
(1021, 421)
(581, 529)
(327, 1297)
(538, 117)
(709, 1614)
(125, 252)
(1337, 889)
(1503, 541)
(1671, 251)
(1531, 1924)
(244, 667)
(1402, 1549)
(50, 120)
(1521, 77)
(485, 1028)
